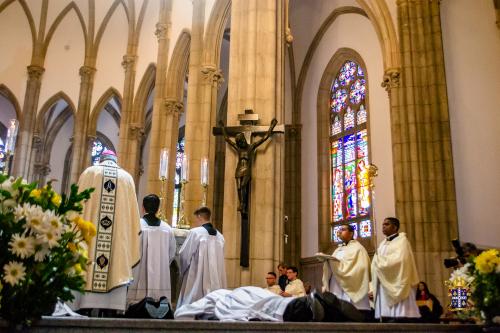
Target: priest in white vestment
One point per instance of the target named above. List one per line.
(152, 275)
(201, 260)
(271, 283)
(394, 276)
(114, 251)
(347, 274)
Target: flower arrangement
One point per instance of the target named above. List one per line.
(486, 285)
(43, 242)
(479, 279)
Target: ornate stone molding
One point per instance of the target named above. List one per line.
(128, 62)
(42, 169)
(391, 78)
(86, 72)
(35, 72)
(161, 30)
(212, 75)
(172, 106)
(136, 132)
(36, 141)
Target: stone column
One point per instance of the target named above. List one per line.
(197, 134)
(423, 165)
(81, 146)
(163, 32)
(256, 76)
(22, 158)
(130, 131)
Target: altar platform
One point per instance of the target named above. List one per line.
(118, 325)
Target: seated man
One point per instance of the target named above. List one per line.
(271, 283)
(295, 287)
(347, 274)
(283, 279)
(152, 275)
(253, 303)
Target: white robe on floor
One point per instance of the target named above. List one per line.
(241, 304)
(394, 277)
(201, 265)
(349, 277)
(152, 275)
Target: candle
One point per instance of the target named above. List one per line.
(164, 163)
(10, 142)
(204, 171)
(185, 168)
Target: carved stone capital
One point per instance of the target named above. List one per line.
(35, 72)
(212, 75)
(36, 140)
(391, 78)
(86, 72)
(288, 36)
(91, 139)
(173, 107)
(161, 30)
(128, 62)
(42, 169)
(136, 132)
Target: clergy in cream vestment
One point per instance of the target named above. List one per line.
(201, 260)
(394, 275)
(114, 251)
(347, 276)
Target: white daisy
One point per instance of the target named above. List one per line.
(41, 250)
(19, 213)
(14, 272)
(8, 205)
(52, 220)
(7, 186)
(22, 246)
(50, 237)
(35, 219)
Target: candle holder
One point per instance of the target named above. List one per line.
(204, 187)
(163, 199)
(182, 222)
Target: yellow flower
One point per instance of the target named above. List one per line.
(78, 268)
(36, 193)
(487, 261)
(72, 247)
(56, 199)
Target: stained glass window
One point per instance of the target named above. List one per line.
(177, 180)
(2, 155)
(97, 148)
(350, 191)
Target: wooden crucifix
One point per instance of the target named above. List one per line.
(246, 149)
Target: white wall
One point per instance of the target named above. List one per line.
(107, 125)
(15, 49)
(471, 42)
(355, 32)
(58, 153)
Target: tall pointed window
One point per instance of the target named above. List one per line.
(177, 180)
(97, 148)
(2, 155)
(350, 192)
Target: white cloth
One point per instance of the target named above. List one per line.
(241, 304)
(352, 268)
(201, 265)
(152, 275)
(394, 279)
(115, 300)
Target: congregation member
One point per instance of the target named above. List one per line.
(201, 260)
(295, 286)
(283, 279)
(347, 274)
(271, 283)
(152, 275)
(428, 305)
(394, 276)
(114, 251)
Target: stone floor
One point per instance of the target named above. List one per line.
(88, 325)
